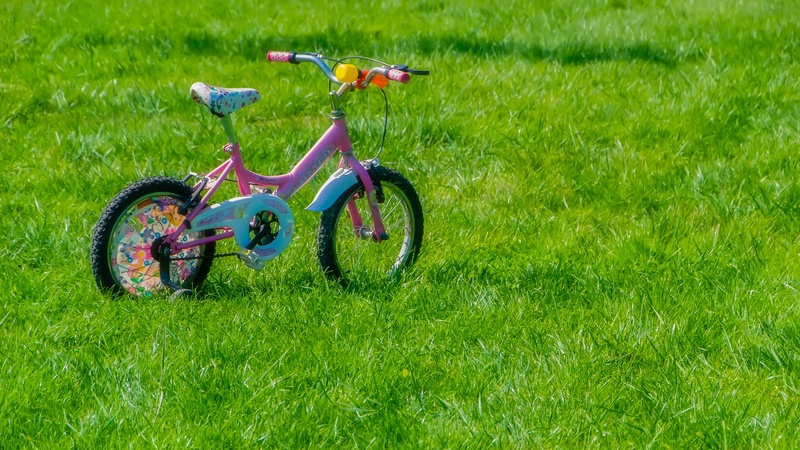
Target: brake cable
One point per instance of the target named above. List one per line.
(383, 91)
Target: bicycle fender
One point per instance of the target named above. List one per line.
(333, 187)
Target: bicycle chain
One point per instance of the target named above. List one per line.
(186, 258)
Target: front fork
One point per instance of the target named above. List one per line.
(373, 191)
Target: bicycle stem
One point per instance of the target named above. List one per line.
(336, 98)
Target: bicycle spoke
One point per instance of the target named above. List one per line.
(399, 223)
(357, 247)
(391, 211)
(134, 269)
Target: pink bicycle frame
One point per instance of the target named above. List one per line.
(335, 138)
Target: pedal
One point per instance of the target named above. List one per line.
(251, 259)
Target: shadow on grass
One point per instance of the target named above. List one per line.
(254, 45)
(576, 53)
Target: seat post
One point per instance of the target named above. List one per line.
(227, 124)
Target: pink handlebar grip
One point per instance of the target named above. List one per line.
(397, 75)
(274, 56)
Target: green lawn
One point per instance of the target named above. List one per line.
(611, 248)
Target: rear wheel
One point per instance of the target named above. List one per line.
(346, 252)
(140, 215)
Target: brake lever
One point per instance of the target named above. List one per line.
(405, 68)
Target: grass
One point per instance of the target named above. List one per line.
(611, 240)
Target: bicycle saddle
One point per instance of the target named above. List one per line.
(222, 101)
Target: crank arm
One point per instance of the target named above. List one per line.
(163, 268)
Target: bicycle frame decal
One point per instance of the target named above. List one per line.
(225, 214)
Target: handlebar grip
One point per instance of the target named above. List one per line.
(398, 75)
(274, 56)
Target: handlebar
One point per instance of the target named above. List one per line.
(399, 73)
(297, 58)
(273, 56)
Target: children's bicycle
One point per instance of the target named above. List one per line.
(160, 233)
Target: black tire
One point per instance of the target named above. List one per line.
(343, 255)
(115, 236)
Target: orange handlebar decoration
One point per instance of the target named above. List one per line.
(380, 81)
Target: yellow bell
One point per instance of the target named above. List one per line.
(346, 73)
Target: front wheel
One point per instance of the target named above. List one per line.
(346, 251)
(123, 239)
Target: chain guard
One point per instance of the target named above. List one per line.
(237, 214)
